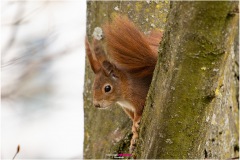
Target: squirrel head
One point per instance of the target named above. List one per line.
(108, 79)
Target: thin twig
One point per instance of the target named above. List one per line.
(18, 150)
(15, 29)
(31, 68)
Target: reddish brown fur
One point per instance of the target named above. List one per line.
(130, 49)
(129, 71)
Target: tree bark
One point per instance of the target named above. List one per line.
(109, 131)
(192, 105)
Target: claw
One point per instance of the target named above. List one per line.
(131, 149)
(132, 145)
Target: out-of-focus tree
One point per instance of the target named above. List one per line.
(38, 43)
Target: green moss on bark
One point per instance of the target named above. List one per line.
(192, 57)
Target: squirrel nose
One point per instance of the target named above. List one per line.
(97, 105)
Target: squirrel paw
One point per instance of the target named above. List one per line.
(137, 124)
(132, 145)
(132, 148)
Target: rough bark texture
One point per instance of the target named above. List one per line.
(192, 110)
(109, 131)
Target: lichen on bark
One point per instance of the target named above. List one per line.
(192, 106)
(194, 63)
(109, 131)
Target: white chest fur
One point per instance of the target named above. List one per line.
(126, 104)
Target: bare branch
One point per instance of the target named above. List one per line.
(18, 150)
(15, 29)
(30, 69)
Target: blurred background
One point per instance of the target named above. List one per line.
(42, 75)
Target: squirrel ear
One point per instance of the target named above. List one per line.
(99, 51)
(95, 65)
(109, 69)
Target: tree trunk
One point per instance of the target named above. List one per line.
(192, 110)
(109, 131)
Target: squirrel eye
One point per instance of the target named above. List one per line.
(107, 88)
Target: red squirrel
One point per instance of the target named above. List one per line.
(124, 69)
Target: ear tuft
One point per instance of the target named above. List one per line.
(99, 51)
(95, 65)
(108, 67)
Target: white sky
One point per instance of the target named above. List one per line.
(57, 132)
